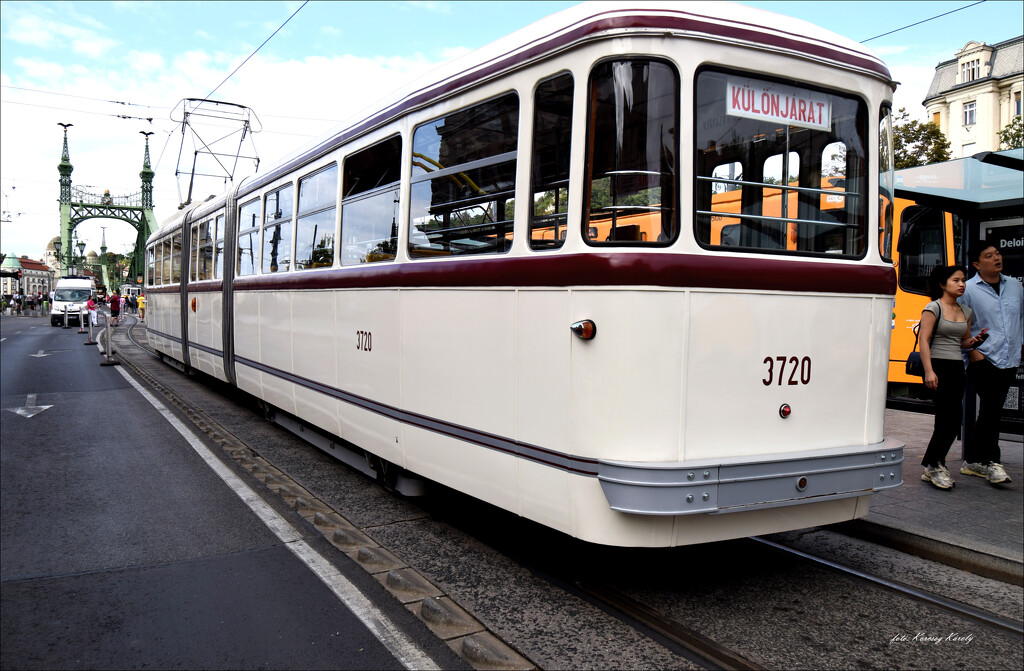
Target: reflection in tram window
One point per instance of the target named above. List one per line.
(631, 161)
(175, 259)
(277, 231)
(817, 139)
(463, 181)
(248, 237)
(369, 210)
(314, 228)
(218, 248)
(165, 261)
(552, 131)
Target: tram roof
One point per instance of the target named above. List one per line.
(716, 21)
(982, 181)
(719, 21)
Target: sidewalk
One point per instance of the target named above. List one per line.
(976, 526)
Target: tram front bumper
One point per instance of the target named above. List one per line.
(703, 486)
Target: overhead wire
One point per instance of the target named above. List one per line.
(938, 16)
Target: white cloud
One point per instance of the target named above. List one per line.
(145, 62)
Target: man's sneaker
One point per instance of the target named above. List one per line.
(981, 470)
(938, 477)
(997, 474)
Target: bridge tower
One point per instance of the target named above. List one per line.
(78, 205)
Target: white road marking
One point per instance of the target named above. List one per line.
(404, 649)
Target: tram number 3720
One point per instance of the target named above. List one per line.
(799, 370)
(364, 341)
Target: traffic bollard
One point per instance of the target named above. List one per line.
(107, 360)
(66, 317)
(90, 341)
(81, 322)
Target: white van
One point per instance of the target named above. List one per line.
(71, 293)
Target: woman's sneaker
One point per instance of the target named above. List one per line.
(938, 476)
(997, 474)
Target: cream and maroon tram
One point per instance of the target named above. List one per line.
(551, 278)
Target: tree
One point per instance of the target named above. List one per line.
(1012, 135)
(917, 143)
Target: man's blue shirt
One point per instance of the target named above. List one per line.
(1002, 314)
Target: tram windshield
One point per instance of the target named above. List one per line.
(780, 168)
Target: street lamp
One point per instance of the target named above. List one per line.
(81, 254)
(56, 247)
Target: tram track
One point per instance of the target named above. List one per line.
(494, 648)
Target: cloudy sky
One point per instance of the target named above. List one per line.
(110, 67)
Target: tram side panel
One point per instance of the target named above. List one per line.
(367, 346)
(544, 416)
(204, 329)
(459, 372)
(315, 341)
(163, 312)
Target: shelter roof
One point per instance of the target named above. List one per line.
(988, 179)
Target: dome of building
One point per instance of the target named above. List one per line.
(11, 261)
(51, 247)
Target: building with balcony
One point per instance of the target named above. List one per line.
(976, 94)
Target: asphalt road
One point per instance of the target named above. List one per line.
(120, 547)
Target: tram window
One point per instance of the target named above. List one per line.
(314, 227)
(632, 142)
(150, 267)
(277, 230)
(464, 180)
(369, 210)
(762, 125)
(549, 176)
(194, 251)
(204, 255)
(248, 238)
(218, 247)
(922, 247)
(886, 183)
(175, 259)
(165, 261)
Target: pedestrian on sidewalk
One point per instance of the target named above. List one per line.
(945, 331)
(115, 308)
(142, 307)
(91, 306)
(998, 304)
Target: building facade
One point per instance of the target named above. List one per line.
(975, 95)
(36, 277)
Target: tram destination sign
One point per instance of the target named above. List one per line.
(770, 101)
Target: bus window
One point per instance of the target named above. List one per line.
(922, 247)
(314, 231)
(464, 181)
(369, 206)
(632, 142)
(549, 176)
(809, 142)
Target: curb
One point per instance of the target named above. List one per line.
(965, 559)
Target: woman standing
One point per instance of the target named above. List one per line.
(945, 331)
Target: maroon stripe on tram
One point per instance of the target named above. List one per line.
(594, 270)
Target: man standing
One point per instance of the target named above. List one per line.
(115, 308)
(998, 304)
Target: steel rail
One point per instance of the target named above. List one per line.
(957, 608)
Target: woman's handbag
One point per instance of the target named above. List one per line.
(914, 365)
